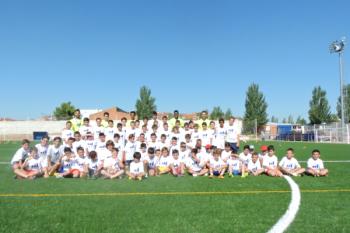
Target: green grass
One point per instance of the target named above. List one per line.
(319, 212)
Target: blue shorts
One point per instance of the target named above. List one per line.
(236, 172)
(216, 173)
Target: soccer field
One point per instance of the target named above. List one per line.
(187, 204)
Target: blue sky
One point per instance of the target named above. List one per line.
(193, 54)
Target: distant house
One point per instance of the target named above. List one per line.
(115, 113)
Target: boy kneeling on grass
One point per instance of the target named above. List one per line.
(289, 165)
(31, 168)
(315, 165)
(136, 168)
(217, 166)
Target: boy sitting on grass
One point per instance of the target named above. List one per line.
(112, 166)
(289, 165)
(315, 165)
(136, 168)
(270, 163)
(20, 156)
(176, 165)
(217, 166)
(31, 168)
(235, 165)
(254, 165)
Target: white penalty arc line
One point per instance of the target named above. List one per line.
(293, 208)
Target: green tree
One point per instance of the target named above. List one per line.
(346, 104)
(228, 114)
(300, 121)
(255, 109)
(284, 121)
(216, 113)
(145, 105)
(319, 108)
(274, 119)
(64, 112)
(290, 119)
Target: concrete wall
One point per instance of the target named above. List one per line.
(17, 130)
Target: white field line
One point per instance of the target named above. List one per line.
(292, 210)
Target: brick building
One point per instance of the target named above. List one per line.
(115, 113)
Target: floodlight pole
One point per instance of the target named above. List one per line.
(342, 120)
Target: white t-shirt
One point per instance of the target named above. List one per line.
(152, 162)
(85, 129)
(67, 133)
(270, 162)
(130, 149)
(253, 167)
(67, 163)
(206, 137)
(164, 161)
(55, 153)
(92, 164)
(192, 164)
(289, 163)
(77, 144)
(136, 168)
(175, 162)
(234, 163)
(90, 145)
(33, 165)
(97, 130)
(225, 155)
(315, 164)
(245, 158)
(183, 155)
(111, 162)
(79, 163)
(216, 164)
(109, 132)
(232, 134)
(21, 154)
(42, 152)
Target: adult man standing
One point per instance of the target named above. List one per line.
(176, 117)
(203, 118)
(76, 120)
(232, 136)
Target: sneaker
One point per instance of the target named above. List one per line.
(221, 177)
(139, 178)
(206, 174)
(211, 176)
(130, 178)
(194, 175)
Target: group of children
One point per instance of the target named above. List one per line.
(152, 149)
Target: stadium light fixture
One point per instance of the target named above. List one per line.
(338, 47)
